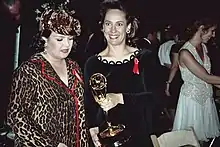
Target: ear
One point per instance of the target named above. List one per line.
(44, 38)
(128, 29)
(101, 26)
(201, 29)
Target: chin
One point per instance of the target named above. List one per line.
(206, 41)
(115, 43)
(64, 56)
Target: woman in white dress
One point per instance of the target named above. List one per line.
(196, 107)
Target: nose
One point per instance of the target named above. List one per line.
(213, 34)
(66, 42)
(113, 29)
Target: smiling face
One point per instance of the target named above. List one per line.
(115, 27)
(58, 46)
(208, 34)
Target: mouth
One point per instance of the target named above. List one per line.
(113, 36)
(65, 50)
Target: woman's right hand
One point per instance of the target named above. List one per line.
(94, 135)
(167, 90)
(113, 99)
(61, 145)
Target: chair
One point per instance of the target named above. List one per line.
(176, 139)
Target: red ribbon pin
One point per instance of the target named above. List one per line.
(136, 68)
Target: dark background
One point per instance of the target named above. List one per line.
(149, 12)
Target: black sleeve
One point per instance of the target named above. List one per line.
(149, 98)
(92, 109)
(148, 70)
(176, 47)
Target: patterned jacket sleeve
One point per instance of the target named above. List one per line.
(82, 125)
(22, 103)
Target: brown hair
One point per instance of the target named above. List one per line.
(206, 22)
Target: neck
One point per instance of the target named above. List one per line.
(52, 60)
(196, 42)
(117, 51)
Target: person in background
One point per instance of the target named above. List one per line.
(196, 106)
(174, 81)
(148, 37)
(46, 103)
(168, 40)
(130, 79)
(10, 20)
(95, 43)
(164, 48)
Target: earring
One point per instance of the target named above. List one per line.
(44, 52)
(129, 41)
(128, 31)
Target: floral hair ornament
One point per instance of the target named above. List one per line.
(58, 18)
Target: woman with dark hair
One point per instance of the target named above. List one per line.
(46, 102)
(130, 79)
(196, 107)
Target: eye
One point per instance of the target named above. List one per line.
(120, 24)
(59, 39)
(71, 38)
(107, 24)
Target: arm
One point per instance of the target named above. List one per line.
(187, 60)
(20, 110)
(82, 125)
(173, 70)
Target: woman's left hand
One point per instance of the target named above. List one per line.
(113, 99)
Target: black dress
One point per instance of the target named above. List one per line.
(177, 80)
(138, 92)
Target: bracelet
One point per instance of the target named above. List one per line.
(167, 82)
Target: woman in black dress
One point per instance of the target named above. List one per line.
(130, 75)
